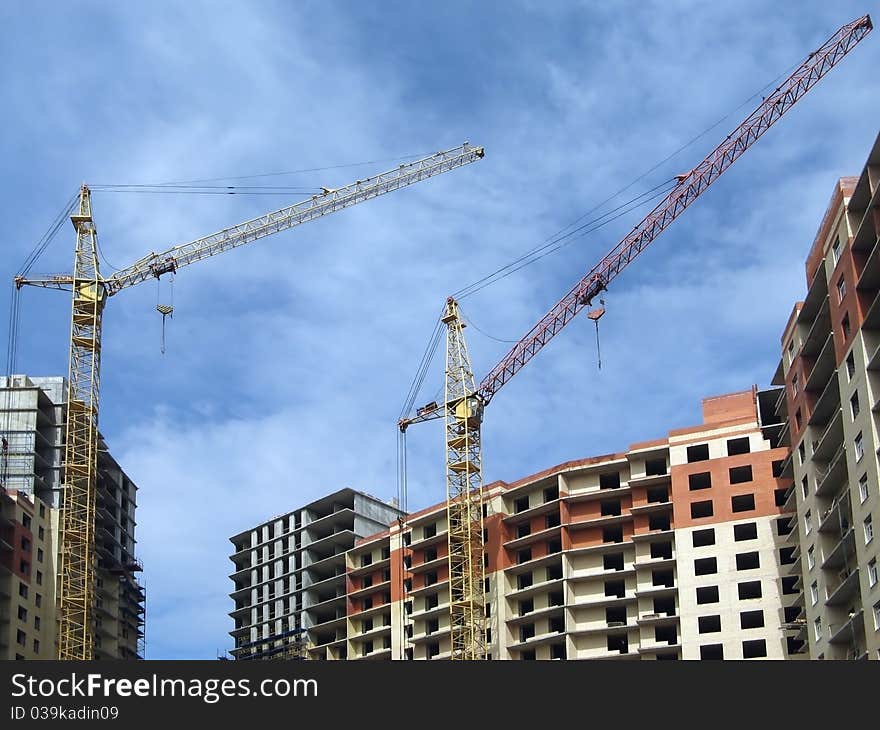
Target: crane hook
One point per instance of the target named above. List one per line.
(166, 310)
(596, 315)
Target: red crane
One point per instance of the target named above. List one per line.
(463, 404)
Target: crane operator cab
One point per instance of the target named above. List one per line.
(469, 411)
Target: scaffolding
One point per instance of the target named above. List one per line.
(292, 645)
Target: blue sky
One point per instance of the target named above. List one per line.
(288, 360)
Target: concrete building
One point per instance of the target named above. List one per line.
(830, 368)
(290, 581)
(675, 548)
(28, 621)
(32, 423)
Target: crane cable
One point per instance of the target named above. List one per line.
(526, 259)
(557, 241)
(13, 329)
(569, 232)
(199, 186)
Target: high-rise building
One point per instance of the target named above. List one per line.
(674, 549)
(289, 581)
(32, 425)
(830, 369)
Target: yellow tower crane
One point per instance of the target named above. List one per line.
(464, 403)
(76, 577)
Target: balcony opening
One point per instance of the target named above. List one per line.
(702, 538)
(712, 651)
(788, 585)
(429, 531)
(523, 556)
(433, 649)
(665, 578)
(748, 561)
(754, 648)
(618, 643)
(432, 601)
(526, 606)
(554, 572)
(698, 452)
(527, 656)
(659, 522)
(521, 504)
(615, 616)
(793, 645)
(526, 632)
(741, 474)
(612, 561)
(557, 651)
(552, 520)
(612, 533)
(556, 598)
(790, 613)
(751, 619)
(786, 556)
(551, 493)
(657, 495)
(735, 447)
(523, 530)
(709, 624)
(664, 605)
(610, 508)
(669, 634)
(523, 581)
(742, 503)
(661, 550)
(655, 467)
(557, 625)
(615, 588)
(609, 480)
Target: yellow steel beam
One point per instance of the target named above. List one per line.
(464, 496)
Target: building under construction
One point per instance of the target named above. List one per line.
(675, 548)
(32, 417)
(290, 577)
(750, 535)
(830, 369)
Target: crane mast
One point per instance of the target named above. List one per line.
(90, 290)
(464, 495)
(76, 573)
(689, 187)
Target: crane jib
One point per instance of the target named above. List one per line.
(688, 189)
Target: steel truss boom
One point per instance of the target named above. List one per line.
(77, 556)
(153, 265)
(690, 187)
